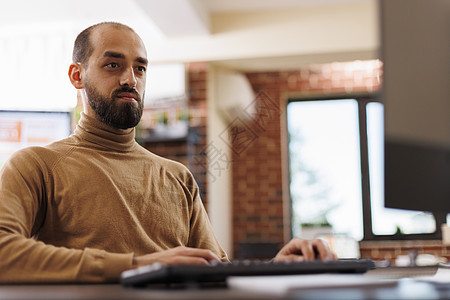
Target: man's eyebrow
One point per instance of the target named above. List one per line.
(142, 60)
(113, 54)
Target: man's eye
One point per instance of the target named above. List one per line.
(141, 69)
(112, 65)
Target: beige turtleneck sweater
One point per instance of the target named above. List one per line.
(78, 210)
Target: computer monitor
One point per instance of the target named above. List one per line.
(415, 50)
(20, 129)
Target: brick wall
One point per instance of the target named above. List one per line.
(257, 174)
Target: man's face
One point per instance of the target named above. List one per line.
(114, 80)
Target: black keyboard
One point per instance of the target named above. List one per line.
(158, 273)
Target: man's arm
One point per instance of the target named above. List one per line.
(23, 258)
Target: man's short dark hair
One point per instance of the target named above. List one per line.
(83, 48)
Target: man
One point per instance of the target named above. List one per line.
(88, 207)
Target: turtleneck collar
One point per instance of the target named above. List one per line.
(96, 132)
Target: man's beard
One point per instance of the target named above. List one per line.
(112, 112)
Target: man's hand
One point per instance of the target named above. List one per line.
(302, 250)
(177, 256)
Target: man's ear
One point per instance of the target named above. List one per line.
(75, 75)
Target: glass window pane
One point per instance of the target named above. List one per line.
(325, 165)
(388, 220)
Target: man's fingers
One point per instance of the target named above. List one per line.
(323, 250)
(299, 249)
(186, 260)
(194, 252)
(307, 250)
(178, 255)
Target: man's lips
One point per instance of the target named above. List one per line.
(129, 97)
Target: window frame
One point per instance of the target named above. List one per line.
(363, 100)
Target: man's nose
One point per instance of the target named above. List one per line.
(128, 78)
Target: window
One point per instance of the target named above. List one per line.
(336, 165)
(325, 166)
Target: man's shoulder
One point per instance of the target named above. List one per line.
(41, 154)
(170, 165)
(167, 162)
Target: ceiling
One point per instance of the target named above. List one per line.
(193, 15)
(168, 16)
(246, 5)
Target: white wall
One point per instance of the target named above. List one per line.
(219, 183)
(34, 70)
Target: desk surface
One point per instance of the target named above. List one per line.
(405, 289)
(116, 291)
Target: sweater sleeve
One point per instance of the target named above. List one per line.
(22, 211)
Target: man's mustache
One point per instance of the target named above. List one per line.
(127, 90)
